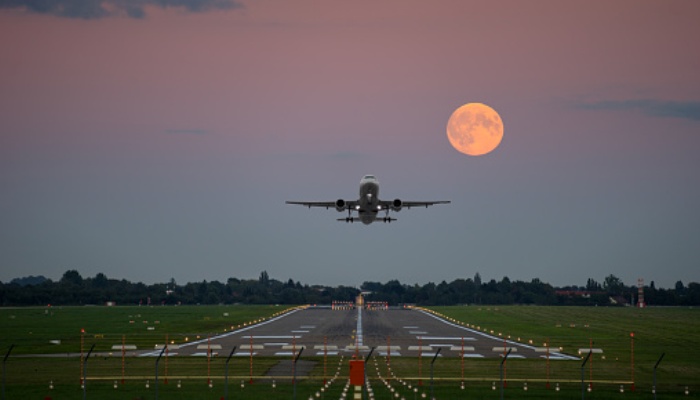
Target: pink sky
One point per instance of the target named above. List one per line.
(167, 134)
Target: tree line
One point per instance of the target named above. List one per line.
(73, 289)
(612, 291)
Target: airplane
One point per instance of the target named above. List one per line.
(369, 204)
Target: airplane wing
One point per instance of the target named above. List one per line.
(343, 205)
(409, 204)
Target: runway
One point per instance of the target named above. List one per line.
(395, 332)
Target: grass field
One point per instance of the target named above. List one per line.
(32, 330)
(673, 331)
(669, 331)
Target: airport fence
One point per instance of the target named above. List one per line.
(309, 373)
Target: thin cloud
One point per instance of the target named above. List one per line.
(655, 108)
(95, 9)
(349, 155)
(187, 132)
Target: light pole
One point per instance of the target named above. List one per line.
(85, 371)
(295, 372)
(503, 362)
(3, 369)
(226, 377)
(157, 360)
(583, 385)
(431, 372)
(656, 365)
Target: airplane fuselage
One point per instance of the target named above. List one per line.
(368, 204)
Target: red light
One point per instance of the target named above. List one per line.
(631, 334)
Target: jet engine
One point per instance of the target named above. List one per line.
(396, 205)
(340, 204)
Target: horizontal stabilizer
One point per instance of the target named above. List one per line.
(376, 219)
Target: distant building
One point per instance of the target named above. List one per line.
(619, 300)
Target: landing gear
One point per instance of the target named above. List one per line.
(387, 218)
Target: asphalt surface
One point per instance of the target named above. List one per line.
(395, 332)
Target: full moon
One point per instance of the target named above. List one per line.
(475, 129)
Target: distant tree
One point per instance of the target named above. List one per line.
(680, 288)
(29, 280)
(693, 294)
(372, 286)
(426, 294)
(73, 290)
(291, 295)
(613, 285)
(100, 281)
(72, 277)
(505, 281)
(477, 280)
(592, 285)
(264, 278)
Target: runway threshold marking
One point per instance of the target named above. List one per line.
(445, 338)
(559, 356)
(271, 337)
(237, 331)
(244, 354)
(556, 357)
(203, 354)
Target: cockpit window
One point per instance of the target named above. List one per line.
(370, 177)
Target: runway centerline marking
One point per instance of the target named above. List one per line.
(358, 331)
